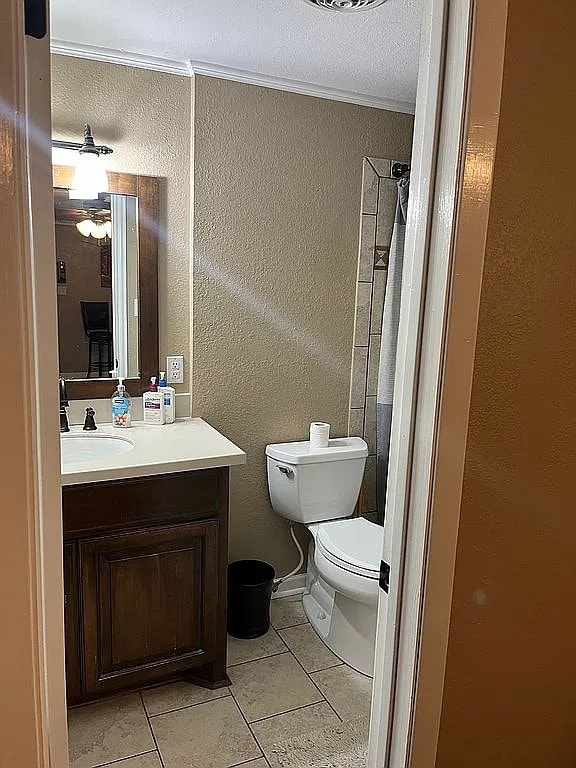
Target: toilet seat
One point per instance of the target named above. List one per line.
(355, 545)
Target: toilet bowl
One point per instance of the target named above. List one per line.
(319, 488)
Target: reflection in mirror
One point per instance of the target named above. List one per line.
(97, 276)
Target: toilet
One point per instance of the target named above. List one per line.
(319, 488)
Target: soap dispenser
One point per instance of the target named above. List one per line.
(121, 406)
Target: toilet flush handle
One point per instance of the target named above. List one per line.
(285, 470)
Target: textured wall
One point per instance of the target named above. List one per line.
(277, 184)
(145, 117)
(510, 688)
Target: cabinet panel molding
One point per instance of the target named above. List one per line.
(149, 603)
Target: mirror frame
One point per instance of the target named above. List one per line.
(146, 189)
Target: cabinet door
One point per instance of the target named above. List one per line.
(149, 600)
(72, 624)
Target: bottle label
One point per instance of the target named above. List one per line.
(119, 406)
(120, 412)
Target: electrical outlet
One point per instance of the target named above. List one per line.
(175, 369)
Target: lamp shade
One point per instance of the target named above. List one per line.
(98, 230)
(85, 227)
(90, 177)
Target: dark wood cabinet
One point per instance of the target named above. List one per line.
(145, 572)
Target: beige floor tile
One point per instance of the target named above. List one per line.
(240, 651)
(291, 724)
(348, 691)
(211, 735)
(109, 730)
(166, 698)
(287, 612)
(261, 762)
(308, 648)
(271, 686)
(151, 760)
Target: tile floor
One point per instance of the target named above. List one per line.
(284, 684)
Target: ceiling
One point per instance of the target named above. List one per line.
(369, 57)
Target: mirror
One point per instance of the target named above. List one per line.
(97, 285)
(107, 284)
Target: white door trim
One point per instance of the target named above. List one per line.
(435, 182)
(44, 325)
(33, 704)
(423, 165)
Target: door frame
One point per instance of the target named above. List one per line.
(31, 594)
(438, 433)
(445, 249)
(432, 59)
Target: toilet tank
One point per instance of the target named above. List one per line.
(313, 485)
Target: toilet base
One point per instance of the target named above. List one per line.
(346, 626)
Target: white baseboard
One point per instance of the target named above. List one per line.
(294, 585)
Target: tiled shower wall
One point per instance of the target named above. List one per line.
(378, 207)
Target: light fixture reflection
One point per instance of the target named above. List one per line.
(85, 227)
(99, 230)
(93, 228)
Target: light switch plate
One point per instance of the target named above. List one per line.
(175, 369)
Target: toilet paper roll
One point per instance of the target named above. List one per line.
(319, 435)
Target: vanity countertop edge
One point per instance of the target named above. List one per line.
(186, 445)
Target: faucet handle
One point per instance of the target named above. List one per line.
(89, 421)
(63, 393)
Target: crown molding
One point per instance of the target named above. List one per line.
(295, 86)
(207, 69)
(123, 58)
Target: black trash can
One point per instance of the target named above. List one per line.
(250, 585)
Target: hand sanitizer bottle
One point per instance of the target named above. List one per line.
(169, 394)
(121, 406)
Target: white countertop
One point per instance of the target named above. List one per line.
(186, 445)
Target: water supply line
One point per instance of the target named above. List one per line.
(300, 563)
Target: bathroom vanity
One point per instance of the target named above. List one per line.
(145, 510)
(145, 557)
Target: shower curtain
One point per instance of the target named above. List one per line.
(389, 342)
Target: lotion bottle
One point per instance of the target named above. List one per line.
(169, 394)
(153, 402)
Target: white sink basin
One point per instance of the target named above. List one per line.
(75, 448)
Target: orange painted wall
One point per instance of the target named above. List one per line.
(510, 686)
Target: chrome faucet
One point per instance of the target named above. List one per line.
(64, 426)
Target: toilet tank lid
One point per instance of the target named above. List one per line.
(339, 449)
